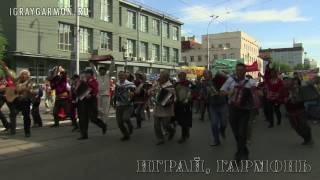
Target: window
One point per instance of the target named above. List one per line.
(65, 37)
(156, 27)
(165, 54)
(228, 45)
(232, 55)
(143, 23)
(120, 16)
(199, 58)
(85, 4)
(132, 22)
(106, 10)
(215, 56)
(175, 33)
(85, 40)
(64, 4)
(165, 30)
(155, 52)
(224, 56)
(184, 58)
(191, 58)
(106, 40)
(143, 50)
(212, 46)
(220, 46)
(131, 47)
(175, 55)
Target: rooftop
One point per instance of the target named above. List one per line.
(282, 49)
(152, 10)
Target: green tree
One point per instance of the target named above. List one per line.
(3, 46)
(282, 67)
(299, 67)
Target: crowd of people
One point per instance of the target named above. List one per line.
(89, 96)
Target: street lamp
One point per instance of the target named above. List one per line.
(213, 17)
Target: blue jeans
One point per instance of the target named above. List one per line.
(217, 116)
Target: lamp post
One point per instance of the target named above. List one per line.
(213, 17)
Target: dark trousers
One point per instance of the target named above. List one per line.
(73, 115)
(185, 132)
(35, 111)
(139, 113)
(20, 105)
(239, 119)
(3, 118)
(58, 104)
(300, 125)
(88, 111)
(273, 108)
(123, 114)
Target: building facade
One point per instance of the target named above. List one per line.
(291, 56)
(227, 45)
(138, 37)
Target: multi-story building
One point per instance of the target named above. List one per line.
(137, 36)
(291, 56)
(227, 45)
(311, 63)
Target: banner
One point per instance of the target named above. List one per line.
(253, 67)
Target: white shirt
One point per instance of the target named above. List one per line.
(231, 83)
(104, 84)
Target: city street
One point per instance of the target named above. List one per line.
(55, 153)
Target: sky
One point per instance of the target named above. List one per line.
(274, 23)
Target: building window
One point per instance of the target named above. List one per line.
(165, 54)
(212, 46)
(175, 55)
(199, 58)
(184, 58)
(175, 33)
(156, 27)
(224, 56)
(191, 58)
(65, 37)
(143, 50)
(106, 40)
(143, 23)
(85, 40)
(220, 46)
(165, 30)
(132, 21)
(64, 3)
(86, 4)
(215, 56)
(231, 55)
(155, 52)
(106, 10)
(228, 45)
(131, 47)
(120, 16)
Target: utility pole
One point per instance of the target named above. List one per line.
(213, 17)
(77, 38)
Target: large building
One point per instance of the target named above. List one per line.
(227, 45)
(137, 36)
(310, 63)
(292, 56)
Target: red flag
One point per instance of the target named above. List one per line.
(253, 67)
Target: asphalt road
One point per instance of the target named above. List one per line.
(56, 154)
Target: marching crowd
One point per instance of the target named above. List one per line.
(90, 95)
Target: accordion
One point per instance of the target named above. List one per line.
(245, 98)
(53, 72)
(82, 90)
(164, 97)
